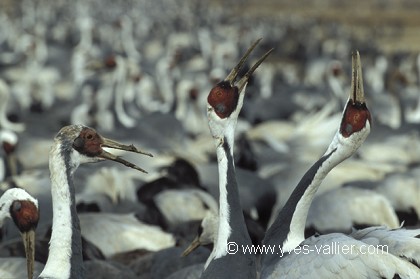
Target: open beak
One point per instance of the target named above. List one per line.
(235, 71)
(29, 243)
(116, 145)
(194, 244)
(357, 94)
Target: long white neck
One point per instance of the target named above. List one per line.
(231, 221)
(289, 227)
(65, 252)
(224, 229)
(4, 100)
(120, 90)
(297, 225)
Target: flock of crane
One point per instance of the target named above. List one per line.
(170, 78)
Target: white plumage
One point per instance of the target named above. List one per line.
(340, 256)
(307, 258)
(14, 267)
(185, 205)
(340, 209)
(17, 204)
(119, 233)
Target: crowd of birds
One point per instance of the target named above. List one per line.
(167, 79)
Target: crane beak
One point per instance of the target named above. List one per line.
(116, 145)
(29, 243)
(226, 98)
(355, 114)
(357, 94)
(235, 71)
(194, 245)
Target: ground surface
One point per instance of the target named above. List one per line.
(392, 25)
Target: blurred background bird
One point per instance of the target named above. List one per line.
(140, 72)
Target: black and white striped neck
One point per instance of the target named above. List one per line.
(225, 101)
(65, 253)
(232, 228)
(288, 229)
(73, 145)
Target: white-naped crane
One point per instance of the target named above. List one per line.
(207, 232)
(225, 101)
(73, 145)
(9, 165)
(287, 231)
(5, 123)
(17, 204)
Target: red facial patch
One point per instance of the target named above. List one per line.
(137, 78)
(336, 70)
(8, 147)
(354, 118)
(110, 62)
(25, 215)
(223, 98)
(193, 94)
(88, 143)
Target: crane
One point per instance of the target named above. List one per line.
(287, 231)
(206, 233)
(5, 123)
(73, 145)
(225, 101)
(17, 204)
(10, 164)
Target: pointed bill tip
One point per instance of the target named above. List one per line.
(226, 98)
(357, 92)
(244, 79)
(194, 245)
(112, 157)
(136, 150)
(235, 71)
(116, 145)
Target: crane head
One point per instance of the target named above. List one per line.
(226, 97)
(89, 143)
(8, 140)
(25, 214)
(206, 233)
(225, 100)
(356, 120)
(356, 115)
(23, 209)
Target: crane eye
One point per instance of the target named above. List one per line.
(88, 143)
(349, 128)
(16, 206)
(220, 108)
